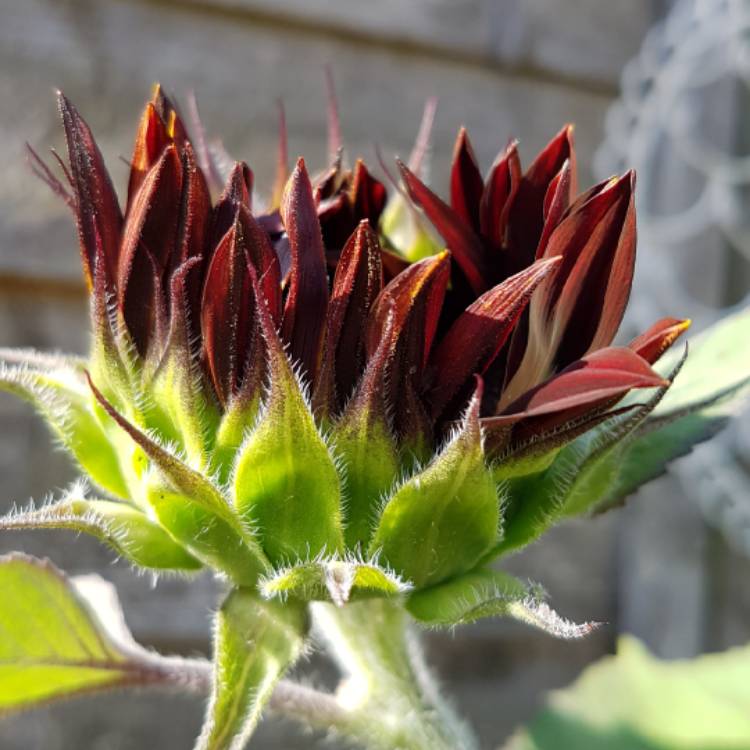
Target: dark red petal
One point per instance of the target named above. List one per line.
(571, 402)
(330, 181)
(206, 158)
(151, 139)
(526, 217)
(49, 178)
(407, 310)
(415, 299)
(264, 260)
(475, 339)
(589, 295)
(161, 102)
(657, 339)
(182, 334)
(337, 220)
(98, 214)
(369, 398)
(502, 184)
(307, 299)
(602, 375)
(358, 281)
(535, 436)
(368, 195)
(237, 192)
(171, 117)
(148, 241)
(467, 184)
(227, 312)
(464, 244)
(192, 229)
(393, 264)
(424, 136)
(556, 203)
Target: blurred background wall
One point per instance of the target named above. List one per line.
(501, 67)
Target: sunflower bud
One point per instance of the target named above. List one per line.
(289, 400)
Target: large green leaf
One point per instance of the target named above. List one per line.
(52, 645)
(256, 641)
(718, 363)
(633, 701)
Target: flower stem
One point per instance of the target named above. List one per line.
(391, 700)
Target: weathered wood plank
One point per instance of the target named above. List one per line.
(585, 40)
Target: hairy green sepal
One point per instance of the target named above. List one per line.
(490, 593)
(444, 518)
(129, 531)
(285, 480)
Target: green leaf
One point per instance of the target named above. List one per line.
(647, 456)
(444, 518)
(333, 580)
(123, 527)
(490, 593)
(52, 644)
(256, 641)
(60, 396)
(285, 480)
(633, 701)
(717, 369)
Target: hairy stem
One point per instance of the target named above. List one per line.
(389, 698)
(312, 707)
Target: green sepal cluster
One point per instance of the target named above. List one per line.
(267, 500)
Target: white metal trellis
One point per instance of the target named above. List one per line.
(681, 121)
